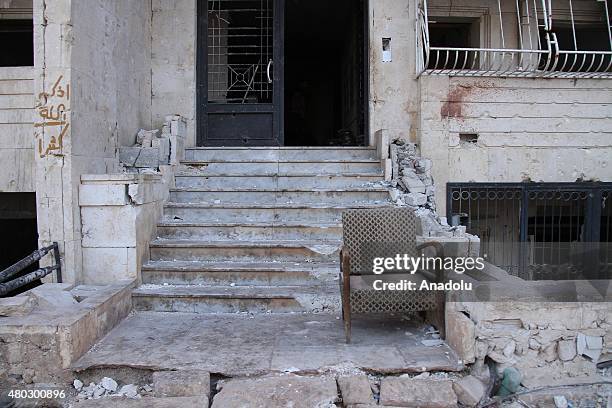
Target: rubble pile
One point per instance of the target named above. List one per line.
(107, 387)
(412, 185)
(153, 149)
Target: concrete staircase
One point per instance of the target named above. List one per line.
(257, 229)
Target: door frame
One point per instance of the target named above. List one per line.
(202, 105)
(279, 70)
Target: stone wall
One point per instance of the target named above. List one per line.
(92, 64)
(544, 341)
(119, 213)
(17, 169)
(550, 130)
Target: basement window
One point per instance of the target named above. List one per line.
(539, 231)
(519, 39)
(17, 39)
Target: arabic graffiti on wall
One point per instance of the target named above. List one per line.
(53, 124)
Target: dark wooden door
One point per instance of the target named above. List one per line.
(240, 72)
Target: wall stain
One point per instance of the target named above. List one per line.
(451, 108)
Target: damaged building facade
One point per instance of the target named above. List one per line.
(180, 149)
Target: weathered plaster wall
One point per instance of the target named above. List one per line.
(173, 62)
(529, 129)
(393, 86)
(92, 64)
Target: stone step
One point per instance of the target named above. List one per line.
(240, 213)
(228, 299)
(285, 168)
(279, 153)
(249, 231)
(339, 196)
(343, 181)
(244, 251)
(238, 273)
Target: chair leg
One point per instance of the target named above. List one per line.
(346, 316)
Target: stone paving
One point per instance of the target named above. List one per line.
(238, 345)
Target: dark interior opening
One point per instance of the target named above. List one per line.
(19, 236)
(17, 39)
(589, 37)
(325, 73)
(452, 32)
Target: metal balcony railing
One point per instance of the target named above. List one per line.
(539, 53)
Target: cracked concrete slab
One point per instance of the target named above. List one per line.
(242, 344)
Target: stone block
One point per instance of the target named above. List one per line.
(52, 298)
(461, 336)
(149, 157)
(139, 157)
(178, 128)
(355, 389)
(424, 393)
(182, 383)
(413, 183)
(128, 155)
(567, 350)
(469, 390)
(415, 199)
(177, 149)
(17, 305)
(163, 146)
(109, 226)
(102, 194)
(278, 392)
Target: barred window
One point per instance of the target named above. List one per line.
(515, 38)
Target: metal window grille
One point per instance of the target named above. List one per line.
(538, 52)
(538, 230)
(240, 50)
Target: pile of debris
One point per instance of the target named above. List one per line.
(107, 387)
(412, 185)
(152, 151)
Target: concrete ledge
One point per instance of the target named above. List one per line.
(40, 346)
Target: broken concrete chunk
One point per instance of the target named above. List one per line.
(144, 137)
(589, 346)
(560, 401)
(567, 350)
(163, 146)
(415, 199)
(549, 353)
(17, 305)
(355, 389)
(77, 384)
(413, 183)
(407, 392)
(109, 384)
(182, 383)
(461, 335)
(470, 390)
(129, 391)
